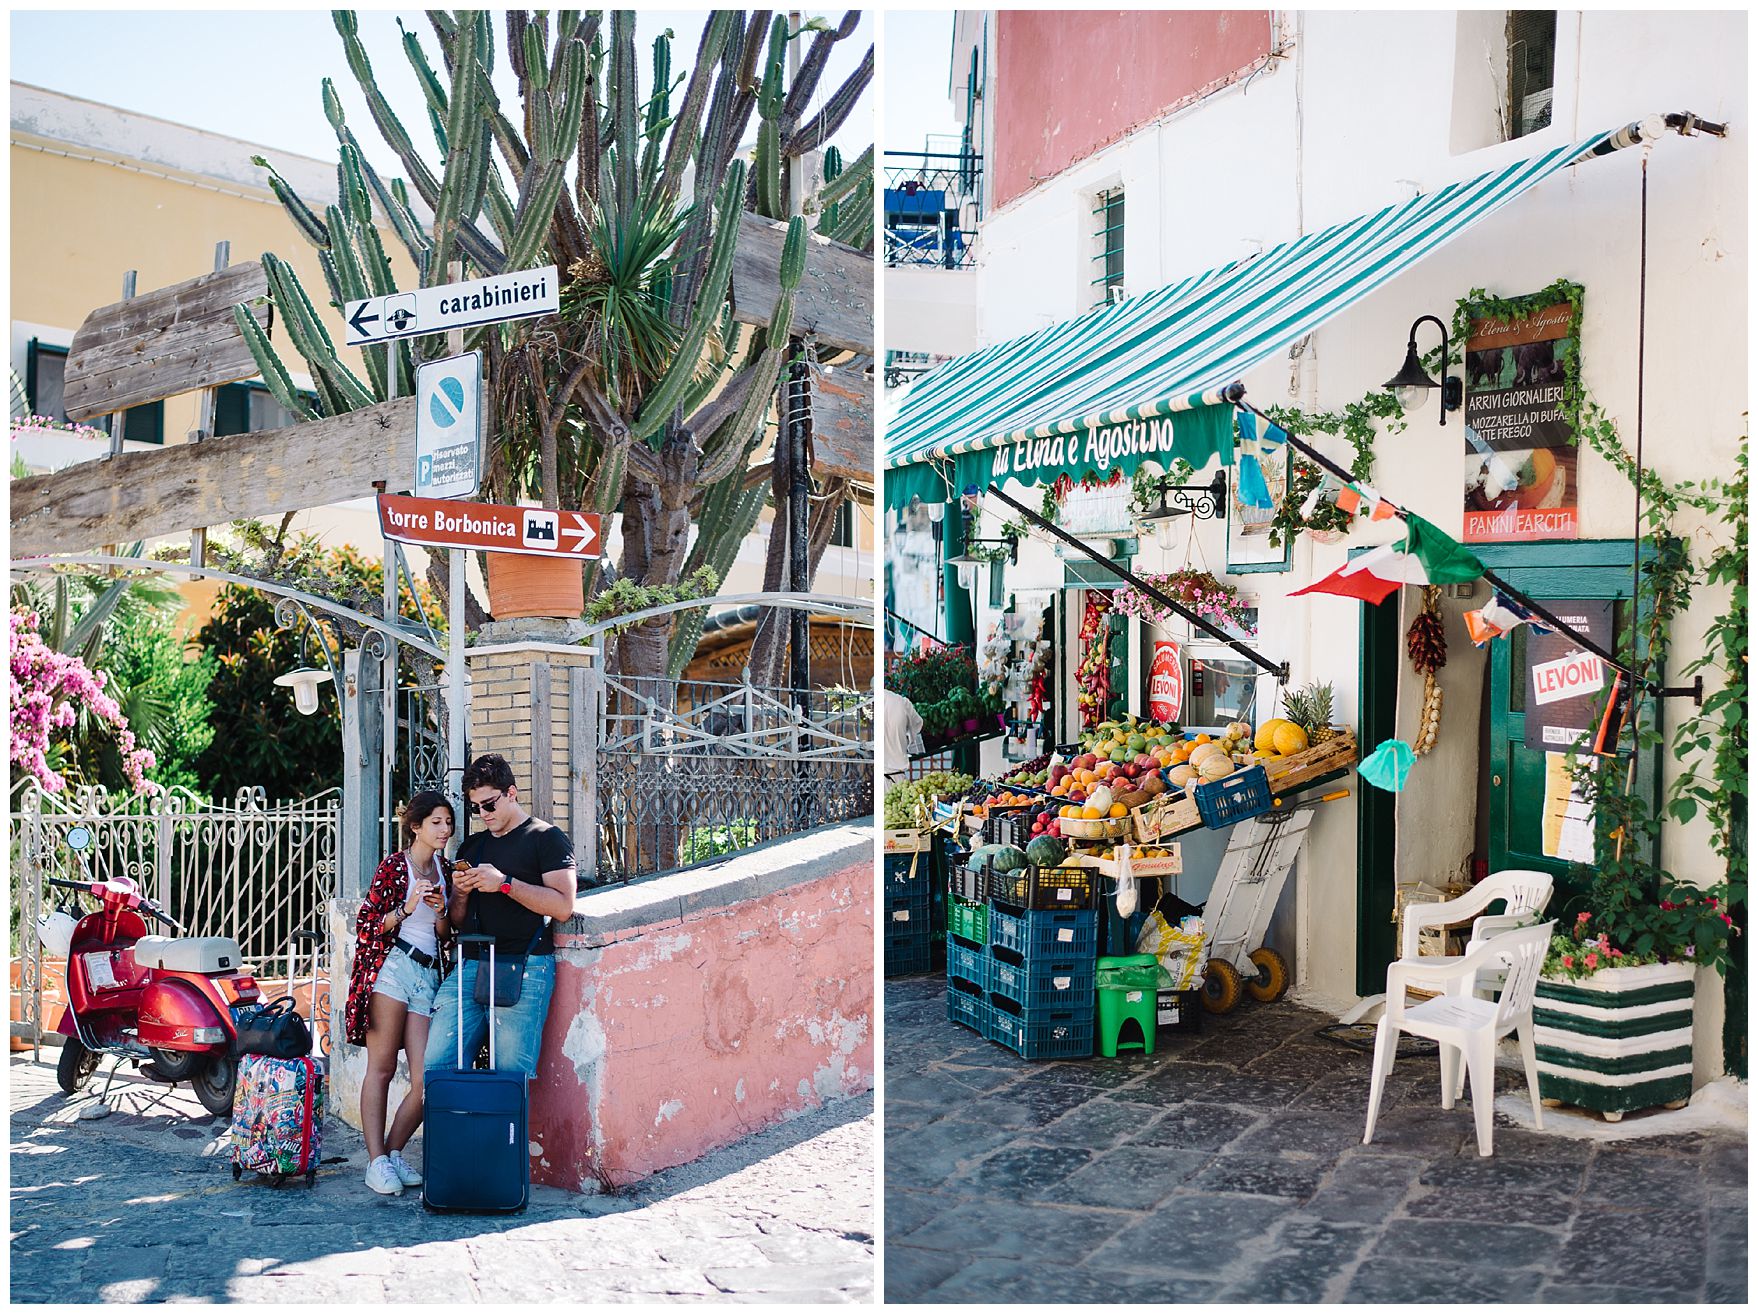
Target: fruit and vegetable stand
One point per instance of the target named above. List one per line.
(1057, 852)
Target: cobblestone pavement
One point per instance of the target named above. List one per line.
(1229, 1167)
(141, 1206)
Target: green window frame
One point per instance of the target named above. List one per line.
(141, 424)
(1108, 237)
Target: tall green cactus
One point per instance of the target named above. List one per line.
(581, 172)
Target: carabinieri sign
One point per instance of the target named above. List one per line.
(476, 301)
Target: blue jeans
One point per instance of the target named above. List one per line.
(518, 1031)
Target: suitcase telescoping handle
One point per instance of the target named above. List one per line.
(475, 938)
(315, 939)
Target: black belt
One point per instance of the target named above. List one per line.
(424, 959)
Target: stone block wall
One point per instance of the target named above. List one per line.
(519, 708)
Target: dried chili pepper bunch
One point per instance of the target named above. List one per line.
(1426, 641)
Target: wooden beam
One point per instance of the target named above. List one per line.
(147, 494)
(842, 427)
(834, 301)
(175, 340)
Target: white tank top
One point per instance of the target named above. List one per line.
(422, 928)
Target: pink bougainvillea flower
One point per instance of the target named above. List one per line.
(1593, 960)
(1581, 917)
(1568, 960)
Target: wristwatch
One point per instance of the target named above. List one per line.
(506, 887)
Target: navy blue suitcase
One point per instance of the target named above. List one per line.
(476, 1159)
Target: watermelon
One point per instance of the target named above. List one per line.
(1046, 852)
(1008, 858)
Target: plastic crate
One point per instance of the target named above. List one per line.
(908, 952)
(967, 1006)
(1056, 985)
(966, 883)
(911, 910)
(1065, 936)
(1179, 1010)
(967, 964)
(1041, 887)
(968, 921)
(907, 872)
(1042, 1034)
(1010, 825)
(1235, 798)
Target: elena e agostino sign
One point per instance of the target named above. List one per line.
(1192, 435)
(1520, 454)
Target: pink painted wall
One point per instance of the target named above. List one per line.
(1068, 83)
(671, 1039)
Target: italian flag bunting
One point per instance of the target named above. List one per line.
(1426, 556)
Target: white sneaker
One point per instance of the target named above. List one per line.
(381, 1176)
(405, 1171)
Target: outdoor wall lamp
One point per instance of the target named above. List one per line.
(305, 678)
(1201, 501)
(968, 561)
(1411, 384)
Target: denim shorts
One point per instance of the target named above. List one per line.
(403, 978)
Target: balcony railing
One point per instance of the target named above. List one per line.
(933, 205)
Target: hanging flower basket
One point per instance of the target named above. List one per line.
(520, 585)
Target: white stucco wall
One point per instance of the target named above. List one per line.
(1320, 137)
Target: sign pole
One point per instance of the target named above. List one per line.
(455, 561)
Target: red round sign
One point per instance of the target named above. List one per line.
(1166, 683)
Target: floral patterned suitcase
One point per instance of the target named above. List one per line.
(278, 1116)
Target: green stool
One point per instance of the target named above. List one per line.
(1128, 992)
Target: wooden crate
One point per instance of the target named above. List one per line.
(1142, 867)
(908, 841)
(1309, 764)
(1170, 814)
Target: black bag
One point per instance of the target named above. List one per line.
(508, 976)
(275, 1029)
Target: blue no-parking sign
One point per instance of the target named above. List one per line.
(448, 426)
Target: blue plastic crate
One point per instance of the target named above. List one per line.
(967, 1007)
(1066, 936)
(908, 910)
(1043, 1033)
(906, 873)
(1235, 798)
(1055, 984)
(968, 964)
(909, 952)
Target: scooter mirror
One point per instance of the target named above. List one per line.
(79, 839)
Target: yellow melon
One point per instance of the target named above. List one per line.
(1266, 734)
(1290, 738)
(1214, 766)
(1181, 775)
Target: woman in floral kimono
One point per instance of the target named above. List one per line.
(397, 952)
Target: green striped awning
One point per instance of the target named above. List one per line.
(1142, 378)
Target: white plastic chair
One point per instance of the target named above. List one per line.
(1463, 1025)
(1526, 893)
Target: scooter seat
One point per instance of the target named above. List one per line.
(194, 953)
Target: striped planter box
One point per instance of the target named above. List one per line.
(1618, 1040)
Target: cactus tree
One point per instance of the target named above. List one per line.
(642, 396)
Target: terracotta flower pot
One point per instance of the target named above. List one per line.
(520, 585)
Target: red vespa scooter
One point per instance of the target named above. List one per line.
(163, 1004)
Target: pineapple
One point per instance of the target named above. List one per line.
(1310, 709)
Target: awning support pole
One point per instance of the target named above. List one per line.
(1236, 395)
(1263, 663)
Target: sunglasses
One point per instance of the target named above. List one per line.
(487, 805)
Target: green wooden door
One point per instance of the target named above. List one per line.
(1516, 771)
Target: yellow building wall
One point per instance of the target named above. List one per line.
(78, 226)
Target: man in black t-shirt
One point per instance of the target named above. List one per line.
(520, 877)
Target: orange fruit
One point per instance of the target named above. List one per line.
(1118, 810)
(1202, 739)
(1089, 813)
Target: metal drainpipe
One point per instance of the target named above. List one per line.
(798, 413)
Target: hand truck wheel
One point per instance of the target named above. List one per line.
(1271, 981)
(1221, 986)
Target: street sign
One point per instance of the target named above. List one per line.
(448, 426)
(529, 530)
(454, 306)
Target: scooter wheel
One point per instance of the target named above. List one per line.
(214, 1083)
(75, 1066)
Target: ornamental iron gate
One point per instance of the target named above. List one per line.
(250, 870)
